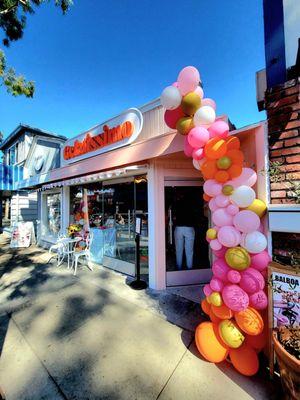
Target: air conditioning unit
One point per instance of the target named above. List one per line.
(261, 87)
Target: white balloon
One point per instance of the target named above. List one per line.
(170, 98)
(197, 163)
(205, 115)
(243, 196)
(254, 242)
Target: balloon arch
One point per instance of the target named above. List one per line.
(235, 297)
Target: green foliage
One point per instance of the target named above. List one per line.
(13, 21)
(274, 171)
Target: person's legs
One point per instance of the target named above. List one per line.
(189, 238)
(178, 234)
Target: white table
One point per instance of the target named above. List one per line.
(67, 246)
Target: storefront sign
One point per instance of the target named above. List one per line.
(117, 132)
(284, 296)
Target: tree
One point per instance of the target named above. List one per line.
(13, 15)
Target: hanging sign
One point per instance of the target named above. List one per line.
(114, 133)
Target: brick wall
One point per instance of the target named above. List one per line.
(283, 113)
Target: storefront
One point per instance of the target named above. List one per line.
(133, 165)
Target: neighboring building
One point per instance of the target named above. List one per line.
(23, 143)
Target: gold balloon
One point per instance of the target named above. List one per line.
(230, 334)
(190, 103)
(211, 233)
(227, 190)
(224, 162)
(215, 299)
(184, 125)
(258, 206)
(238, 258)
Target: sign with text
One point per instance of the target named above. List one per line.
(285, 296)
(114, 133)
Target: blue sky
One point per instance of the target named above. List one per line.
(106, 56)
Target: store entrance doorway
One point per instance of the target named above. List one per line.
(187, 252)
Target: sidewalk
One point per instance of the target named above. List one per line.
(92, 337)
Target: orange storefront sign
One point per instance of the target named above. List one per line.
(103, 139)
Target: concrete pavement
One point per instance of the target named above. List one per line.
(92, 337)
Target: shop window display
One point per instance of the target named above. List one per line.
(53, 215)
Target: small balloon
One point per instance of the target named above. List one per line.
(188, 80)
(198, 137)
(205, 115)
(219, 129)
(170, 98)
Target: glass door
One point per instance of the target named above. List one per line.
(186, 223)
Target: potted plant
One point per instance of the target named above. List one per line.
(287, 348)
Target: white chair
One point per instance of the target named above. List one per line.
(83, 253)
(57, 249)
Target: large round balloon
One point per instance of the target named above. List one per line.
(221, 200)
(246, 221)
(228, 236)
(260, 261)
(254, 242)
(184, 125)
(209, 169)
(170, 98)
(257, 342)
(212, 188)
(258, 206)
(259, 300)
(204, 116)
(245, 360)
(219, 129)
(190, 103)
(209, 343)
(230, 334)
(235, 297)
(220, 269)
(243, 196)
(173, 116)
(250, 321)
(188, 80)
(221, 218)
(198, 137)
(248, 177)
(238, 258)
(252, 281)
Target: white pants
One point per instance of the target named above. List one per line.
(184, 237)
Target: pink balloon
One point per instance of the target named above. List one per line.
(199, 92)
(207, 290)
(198, 154)
(220, 253)
(221, 218)
(235, 298)
(233, 276)
(248, 177)
(188, 80)
(228, 236)
(215, 244)
(259, 300)
(260, 261)
(220, 269)
(219, 129)
(246, 221)
(175, 84)
(232, 209)
(187, 148)
(216, 284)
(252, 281)
(212, 188)
(212, 205)
(198, 137)
(222, 200)
(209, 102)
(261, 228)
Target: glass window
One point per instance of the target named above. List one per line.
(12, 155)
(52, 220)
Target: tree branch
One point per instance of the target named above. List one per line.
(14, 6)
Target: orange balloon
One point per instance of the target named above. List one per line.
(205, 306)
(235, 170)
(209, 168)
(213, 317)
(209, 343)
(258, 342)
(237, 156)
(222, 312)
(245, 360)
(250, 321)
(206, 197)
(233, 143)
(215, 148)
(222, 176)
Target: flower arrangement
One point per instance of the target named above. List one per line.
(74, 228)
